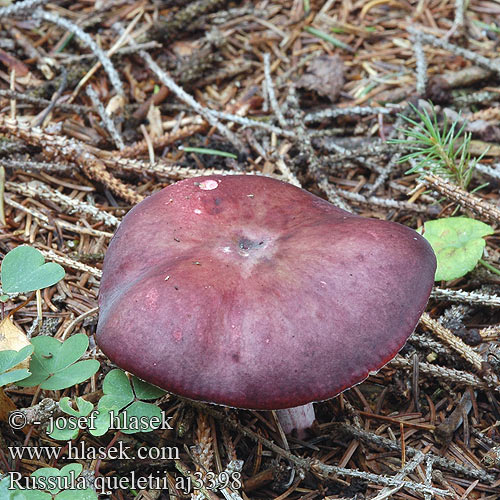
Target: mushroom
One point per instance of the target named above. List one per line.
(249, 292)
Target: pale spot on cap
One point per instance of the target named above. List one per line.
(208, 185)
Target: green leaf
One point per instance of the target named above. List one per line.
(64, 433)
(143, 390)
(70, 351)
(4, 488)
(131, 417)
(101, 423)
(24, 270)
(46, 352)
(113, 402)
(70, 471)
(118, 395)
(458, 244)
(56, 355)
(38, 373)
(13, 376)
(53, 364)
(30, 495)
(68, 431)
(72, 375)
(9, 359)
(84, 407)
(117, 391)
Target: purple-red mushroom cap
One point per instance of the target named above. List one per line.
(249, 292)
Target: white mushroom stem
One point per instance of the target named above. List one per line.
(299, 418)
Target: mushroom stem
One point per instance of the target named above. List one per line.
(299, 418)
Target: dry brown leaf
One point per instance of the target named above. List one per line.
(13, 339)
(325, 75)
(6, 406)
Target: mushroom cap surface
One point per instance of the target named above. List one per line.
(249, 292)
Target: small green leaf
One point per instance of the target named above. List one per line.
(101, 422)
(68, 431)
(9, 359)
(5, 492)
(38, 373)
(56, 355)
(70, 351)
(117, 391)
(53, 364)
(64, 433)
(84, 407)
(143, 390)
(46, 351)
(118, 395)
(29, 495)
(13, 376)
(72, 375)
(131, 417)
(70, 471)
(24, 270)
(458, 244)
(114, 402)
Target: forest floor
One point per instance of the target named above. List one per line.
(101, 102)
